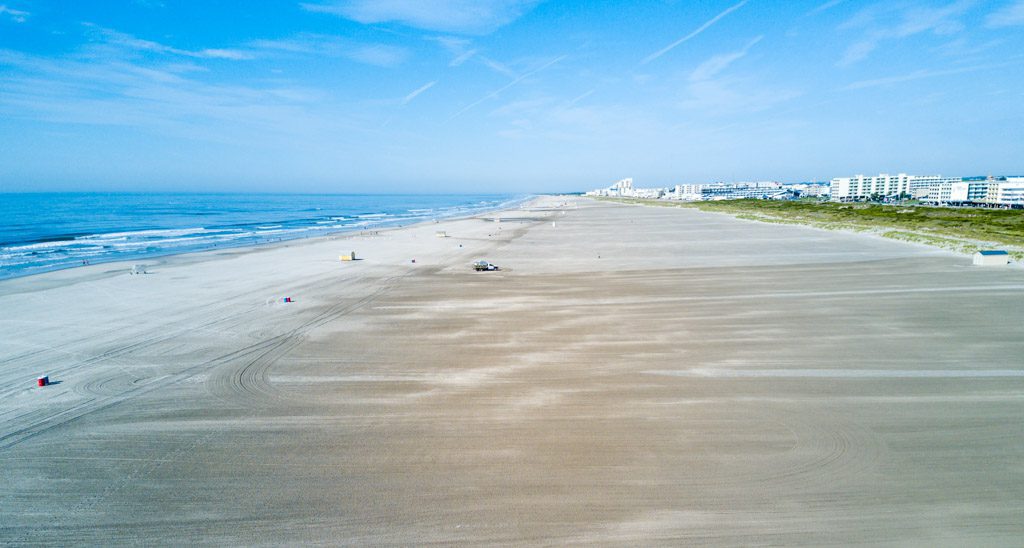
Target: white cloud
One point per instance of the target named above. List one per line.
(581, 97)
(699, 30)
(498, 91)
(915, 75)
(223, 54)
(1010, 15)
(880, 23)
(497, 67)
(452, 43)
(724, 97)
(858, 50)
(459, 47)
(380, 54)
(711, 94)
(162, 99)
(18, 16)
(461, 16)
(383, 55)
(129, 42)
(718, 63)
(825, 7)
(462, 58)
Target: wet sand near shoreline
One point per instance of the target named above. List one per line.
(631, 376)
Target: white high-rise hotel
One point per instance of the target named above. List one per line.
(1001, 191)
(859, 187)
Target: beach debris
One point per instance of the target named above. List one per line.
(44, 380)
(138, 269)
(350, 257)
(287, 300)
(484, 266)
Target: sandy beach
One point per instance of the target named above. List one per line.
(631, 376)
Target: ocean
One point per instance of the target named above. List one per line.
(41, 232)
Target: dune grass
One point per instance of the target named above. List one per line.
(959, 229)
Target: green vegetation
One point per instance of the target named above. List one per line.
(958, 229)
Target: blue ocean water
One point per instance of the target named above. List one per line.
(49, 231)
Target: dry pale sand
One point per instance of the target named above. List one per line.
(633, 376)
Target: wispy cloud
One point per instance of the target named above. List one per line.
(581, 97)
(18, 16)
(500, 68)
(215, 53)
(733, 96)
(418, 91)
(453, 44)
(462, 58)
(699, 30)
(114, 91)
(498, 91)
(130, 42)
(383, 55)
(718, 63)
(1010, 15)
(880, 23)
(915, 75)
(825, 7)
(459, 47)
(711, 93)
(460, 16)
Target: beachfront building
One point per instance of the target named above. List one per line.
(884, 185)
(729, 191)
(932, 189)
(809, 189)
(737, 191)
(622, 187)
(1006, 192)
(686, 193)
(949, 192)
(859, 187)
(702, 192)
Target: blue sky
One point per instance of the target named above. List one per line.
(501, 95)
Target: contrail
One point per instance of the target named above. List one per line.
(699, 30)
(413, 95)
(506, 86)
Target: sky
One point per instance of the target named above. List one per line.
(383, 96)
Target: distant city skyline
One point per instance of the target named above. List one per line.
(502, 95)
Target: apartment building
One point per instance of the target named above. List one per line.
(860, 187)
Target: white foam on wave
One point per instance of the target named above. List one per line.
(160, 233)
(37, 246)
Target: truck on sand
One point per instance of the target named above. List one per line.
(484, 266)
